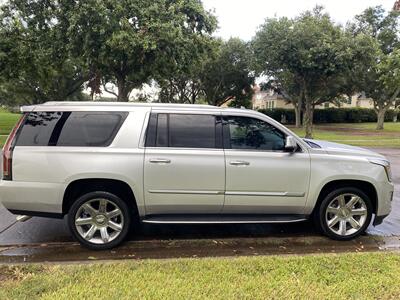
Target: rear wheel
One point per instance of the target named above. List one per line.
(99, 220)
(344, 213)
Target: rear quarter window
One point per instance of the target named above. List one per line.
(85, 129)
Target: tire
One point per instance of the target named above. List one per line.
(99, 220)
(344, 222)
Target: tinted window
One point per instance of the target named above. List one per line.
(182, 131)
(162, 131)
(90, 129)
(191, 131)
(249, 133)
(38, 128)
(70, 128)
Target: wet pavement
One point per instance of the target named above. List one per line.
(49, 239)
(194, 248)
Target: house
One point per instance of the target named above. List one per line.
(269, 100)
(396, 5)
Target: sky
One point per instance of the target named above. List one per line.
(241, 18)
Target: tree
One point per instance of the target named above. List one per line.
(380, 78)
(132, 41)
(227, 75)
(35, 65)
(309, 57)
(183, 84)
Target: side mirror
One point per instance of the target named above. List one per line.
(290, 144)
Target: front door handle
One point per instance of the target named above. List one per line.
(160, 161)
(239, 163)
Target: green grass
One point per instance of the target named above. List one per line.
(331, 276)
(361, 134)
(7, 122)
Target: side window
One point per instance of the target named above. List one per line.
(183, 131)
(253, 134)
(38, 128)
(191, 131)
(95, 129)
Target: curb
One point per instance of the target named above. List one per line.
(193, 248)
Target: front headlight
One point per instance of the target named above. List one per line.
(383, 163)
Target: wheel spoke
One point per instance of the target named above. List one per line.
(114, 226)
(342, 201)
(333, 221)
(89, 209)
(332, 210)
(90, 233)
(83, 221)
(103, 206)
(114, 213)
(342, 227)
(354, 223)
(359, 212)
(353, 201)
(104, 234)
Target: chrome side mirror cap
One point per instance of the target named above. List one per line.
(290, 144)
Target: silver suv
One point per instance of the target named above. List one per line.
(107, 165)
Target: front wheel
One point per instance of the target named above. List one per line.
(99, 220)
(345, 213)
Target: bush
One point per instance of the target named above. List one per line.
(329, 115)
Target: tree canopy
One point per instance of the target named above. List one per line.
(306, 56)
(379, 75)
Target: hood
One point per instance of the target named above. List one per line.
(341, 149)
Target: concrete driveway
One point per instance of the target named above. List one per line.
(42, 230)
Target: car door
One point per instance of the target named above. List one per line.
(184, 165)
(261, 177)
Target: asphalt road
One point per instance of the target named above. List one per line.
(42, 230)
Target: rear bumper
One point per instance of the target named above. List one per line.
(34, 197)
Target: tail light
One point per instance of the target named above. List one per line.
(8, 151)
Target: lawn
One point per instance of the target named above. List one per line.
(329, 276)
(361, 134)
(7, 122)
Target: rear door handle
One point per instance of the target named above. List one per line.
(160, 161)
(239, 163)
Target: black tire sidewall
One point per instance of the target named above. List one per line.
(95, 195)
(324, 204)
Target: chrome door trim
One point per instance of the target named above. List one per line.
(229, 193)
(271, 194)
(186, 192)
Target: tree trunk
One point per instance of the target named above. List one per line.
(123, 90)
(308, 120)
(297, 111)
(381, 112)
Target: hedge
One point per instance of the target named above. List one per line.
(330, 115)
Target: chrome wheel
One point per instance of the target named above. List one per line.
(346, 214)
(99, 221)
